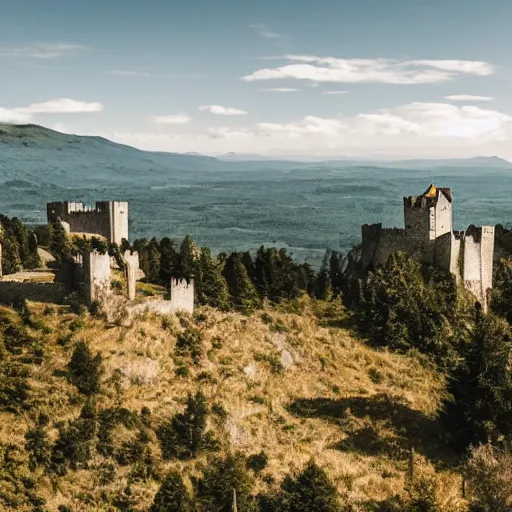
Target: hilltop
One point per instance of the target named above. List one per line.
(281, 381)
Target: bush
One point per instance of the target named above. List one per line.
(190, 343)
(489, 474)
(257, 462)
(38, 444)
(84, 370)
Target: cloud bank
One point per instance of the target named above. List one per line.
(223, 111)
(386, 71)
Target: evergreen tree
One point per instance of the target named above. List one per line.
(153, 262)
(243, 294)
(210, 286)
(169, 257)
(189, 253)
(223, 476)
(84, 370)
(172, 496)
(59, 242)
(310, 491)
(11, 261)
(323, 287)
(501, 301)
(184, 435)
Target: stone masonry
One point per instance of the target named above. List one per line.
(428, 236)
(107, 218)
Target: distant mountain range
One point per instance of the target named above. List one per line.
(31, 152)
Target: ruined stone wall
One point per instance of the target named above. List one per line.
(132, 268)
(182, 295)
(391, 240)
(370, 238)
(118, 211)
(97, 274)
(12, 292)
(444, 248)
(107, 218)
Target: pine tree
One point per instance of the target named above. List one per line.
(172, 496)
(184, 435)
(220, 479)
(243, 294)
(210, 286)
(59, 242)
(188, 257)
(153, 262)
(310, 491)
(169, 256)
(323, 285)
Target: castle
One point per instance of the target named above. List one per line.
(107, 218)
(94, 272)
(428, 236)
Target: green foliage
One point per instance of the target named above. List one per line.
(309, 491)
(84, 369)
(60, 246)
(19, 246)
(223, 476)
(482, 386)
(173, 496)
(402, 307)
(257, 461)
(210, 286)
(16, 483)
(242, 292)
(190, 343)
(183, 436)
(108, 420)
(501, 299)
(74, 445)
(38, 444)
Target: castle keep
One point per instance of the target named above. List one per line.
(107, 218)
(428, 236)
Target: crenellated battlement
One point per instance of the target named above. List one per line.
(429, 236)
(108, 219)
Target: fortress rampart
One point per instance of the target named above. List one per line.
(108, 219)
(428, 236)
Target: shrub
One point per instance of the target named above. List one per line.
(38, 444)
(190, 343)
(489, 474)
(84, 370)
(257, 462)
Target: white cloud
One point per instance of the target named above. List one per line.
(389, 71)
(280, 89)
(44, 50)
(61, 106)
(145, 74)
(223, 111)
(56, 106)
(12, 116)
(467, 97)
(172, 119)
(265, 31)
(413, 130)
(334, 92)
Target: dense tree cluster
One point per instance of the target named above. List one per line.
(19, 246)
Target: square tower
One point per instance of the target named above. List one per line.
(429, 215)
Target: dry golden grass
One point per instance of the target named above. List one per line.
(291, 387)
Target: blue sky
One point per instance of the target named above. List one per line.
(402, 78)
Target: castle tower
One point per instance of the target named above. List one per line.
(429, 215)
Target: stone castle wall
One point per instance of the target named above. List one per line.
(97, 273)
(12, 292)
(108, 218)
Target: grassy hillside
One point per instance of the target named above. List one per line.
(292, 382)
